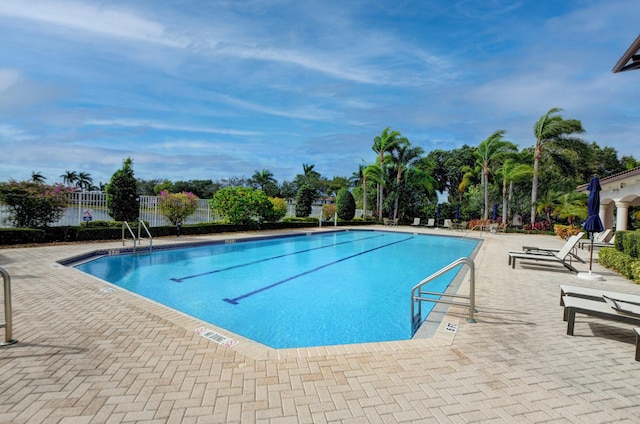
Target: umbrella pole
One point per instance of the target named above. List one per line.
(591, 254)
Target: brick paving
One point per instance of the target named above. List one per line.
(88, 355)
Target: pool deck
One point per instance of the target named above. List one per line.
(91, 353)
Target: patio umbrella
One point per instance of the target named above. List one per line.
(593, 224)
(495, 211)
(437, 214)
(458, 211)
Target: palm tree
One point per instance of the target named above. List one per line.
(570, 206)
(84, 181)
(375, 174)
(550, 128)
(402, 158)
(511, 171)
(37, 177)
(263, 179)
(382, 144)
(547, 203)
(69, 177)
(360, 177)
(488, 153)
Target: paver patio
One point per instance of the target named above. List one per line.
(88, 355)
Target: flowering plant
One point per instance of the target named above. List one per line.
(176, 207)
(33, 205)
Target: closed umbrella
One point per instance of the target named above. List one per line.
(438, 214)
(457, 211)
(593, 224)
(495, 211)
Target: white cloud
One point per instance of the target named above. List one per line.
(141, 123)
(108, 21)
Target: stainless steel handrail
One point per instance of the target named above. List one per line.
(417, 293)
(125, 224)
(143, 225)
(8, 323)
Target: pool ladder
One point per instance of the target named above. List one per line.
(8, 323)
(417, 293)
(136, 240)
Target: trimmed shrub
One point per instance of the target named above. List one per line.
(630, 243)
(328, 212)
(304, 200)
(21, 236)
(345, 205)
(619, 262)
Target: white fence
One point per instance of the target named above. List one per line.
(93, 207)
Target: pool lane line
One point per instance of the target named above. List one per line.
(181, 279)
(235, 300)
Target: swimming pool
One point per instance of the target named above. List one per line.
(307, 290)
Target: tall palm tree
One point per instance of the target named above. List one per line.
(383, 144)
(489, 153)
(469, 178)
(84, 181)
(263, 179)
(69, 177)
(402, 158)
(375, 174)
(37, 177)
(511, 171)
(360, 178)
(550, 128)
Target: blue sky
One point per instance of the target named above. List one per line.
(214, 89)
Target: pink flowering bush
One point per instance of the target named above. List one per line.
(33, 205)
(176, 207)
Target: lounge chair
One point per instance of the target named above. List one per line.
(596, 294)
(563, 256)
(598, 245)
(416, 222)
(610, 309)
(431, 222)
(545, 251)
(386, 221)
(601, 237)
(447, 223)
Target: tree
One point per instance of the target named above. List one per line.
(548, 203)
(279, 210)
(31, 204)
(304, 198)
(241, 205)
(123, 202)
(37, 177)
(176, 207)
(69, 177)
(264, 181)
(383, 144)
(489, 152)
(511, 171)
(402, 159)
(570, 206)
(359, 178)
(84, 181)
(551, 128)
(345, 205)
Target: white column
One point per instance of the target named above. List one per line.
(603, 216)
(622, 212)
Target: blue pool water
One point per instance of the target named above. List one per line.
(311, 290)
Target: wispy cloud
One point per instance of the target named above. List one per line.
(149, 124)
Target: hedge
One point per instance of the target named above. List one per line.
(618, 261)
(111, 230)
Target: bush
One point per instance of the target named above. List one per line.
(21, 236)
(176, 207)
(620, 262)
(345, 204)
(242, 205)
(565, 231)
(328, 212)
(123, 202)
(630, 243)
(279, 208)
(33, 205)
(304, 199)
